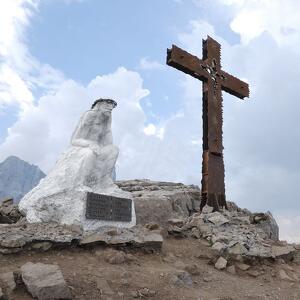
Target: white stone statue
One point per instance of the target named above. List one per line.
(86, 166)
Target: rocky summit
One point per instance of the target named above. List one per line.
(18, 177)
(174, 252)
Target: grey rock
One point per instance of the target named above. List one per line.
(159, 201)
(221, 263)
(231, 270)
(268, 224)
(242, 266)
(217, 218)
(42, 236)
(254, 273)
(42, 246)
(14, 238)
(284, 276)
(103, 287)
(286, 251)
(17, 178)
(176, 222)
(297, 257)
(182, 278)
(45, 281)
(207, 209)
(237, 249)
(195, 233)
(1, 294)
(145, 292)
(219, 247)
(9, 212)
(8, 282)
(193, 269)
(115, 257)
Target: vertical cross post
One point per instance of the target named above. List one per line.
(208, 69)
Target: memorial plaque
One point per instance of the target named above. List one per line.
(108, 208)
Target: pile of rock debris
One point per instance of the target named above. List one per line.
(235, 235)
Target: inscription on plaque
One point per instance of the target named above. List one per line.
(108, 208)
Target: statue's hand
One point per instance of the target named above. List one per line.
(96, 149)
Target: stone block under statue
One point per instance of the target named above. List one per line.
(79, 190)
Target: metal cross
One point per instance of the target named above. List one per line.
(208, 69)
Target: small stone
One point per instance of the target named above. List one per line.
(145, 292)
(243, 267)
(170, 258)
(152, 226)
(207, 279)
(284, 276)
(221, 263)
(176, 222)
(217, 218)
(115, 257)
(253, 273)
(192, 269)
(237, 249)
(182, 278)
(179, 264)
(7, 202)
(45, 282)
(207, 209)
(195, 233)
(219, 247)
(8, 282)
(104, 287)
(134, 294)
(43, 246)
(231, 270)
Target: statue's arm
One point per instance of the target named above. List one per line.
(80, 137)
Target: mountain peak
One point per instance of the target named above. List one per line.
(18, 177)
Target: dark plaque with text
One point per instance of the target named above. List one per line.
(108, 208)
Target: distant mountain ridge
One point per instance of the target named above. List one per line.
(17, 177)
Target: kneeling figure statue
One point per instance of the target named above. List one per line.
(85, 168)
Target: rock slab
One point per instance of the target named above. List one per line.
(41, 237)
(45, 282)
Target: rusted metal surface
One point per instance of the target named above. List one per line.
(209, 70)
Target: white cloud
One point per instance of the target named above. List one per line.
(147, 64)
(150, 129)
(289, 225)
(20, 73)
(279, 18)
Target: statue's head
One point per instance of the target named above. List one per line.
(104, 104)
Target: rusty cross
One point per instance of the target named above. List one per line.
(208, 69)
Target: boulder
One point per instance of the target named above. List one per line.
(267, 223)
(45, 282)
(160, 201)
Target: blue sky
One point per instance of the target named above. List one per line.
(57, 56)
